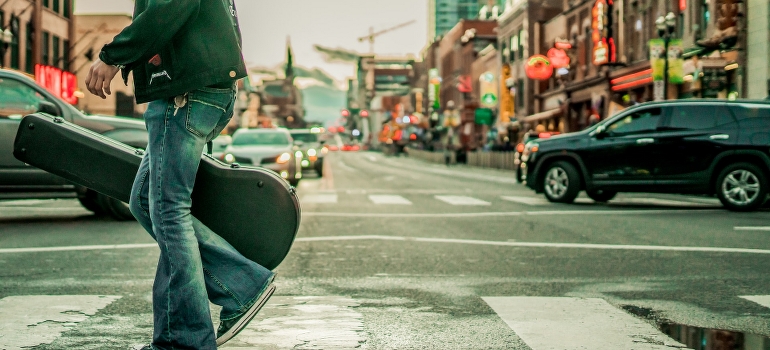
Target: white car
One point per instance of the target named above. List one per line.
(268, 148)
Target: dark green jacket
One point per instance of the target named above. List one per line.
(176, 46)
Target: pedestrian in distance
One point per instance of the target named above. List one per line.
(186, 57)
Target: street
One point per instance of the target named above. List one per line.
(395, 253)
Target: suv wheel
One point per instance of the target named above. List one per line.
(117, 209)
(561, 182)
(601, 196)
(88, 199)
(742, 187)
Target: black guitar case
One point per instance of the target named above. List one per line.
(254, 209)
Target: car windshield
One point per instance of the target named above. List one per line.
(305, 137)
(260, 138)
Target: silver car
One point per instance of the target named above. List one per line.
(269, 148)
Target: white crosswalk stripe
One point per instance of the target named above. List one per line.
(389, 199)
(319, 199)
(763, 300)
(576, 323)
(526, 200)
(462, 200)
(31, 320)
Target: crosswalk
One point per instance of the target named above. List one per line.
(342, 322)
(467, 200)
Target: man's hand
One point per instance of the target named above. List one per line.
(99, 77)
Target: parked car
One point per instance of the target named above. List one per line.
(19, 96)
(307, 141)
(712, 147)
(532, 136)
(271, 148)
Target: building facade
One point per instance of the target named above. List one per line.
(42, 34)
(93, 32)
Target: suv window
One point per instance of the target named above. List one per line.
(17, 99)
(699, 117)
(752, 116)
(642, 121)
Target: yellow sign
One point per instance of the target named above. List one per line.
(506, 99)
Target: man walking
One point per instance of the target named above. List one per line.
(185, 56)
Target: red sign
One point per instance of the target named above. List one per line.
(60, 83)
(558, 58)
(538, 67)
(604, 47)
(466, 84)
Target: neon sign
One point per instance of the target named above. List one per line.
(538, 67)
(60, 83)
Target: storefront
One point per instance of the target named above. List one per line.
(711, 77)
(631, 85)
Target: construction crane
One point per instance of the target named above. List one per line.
(373, 34)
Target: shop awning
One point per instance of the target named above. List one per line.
(541, 116)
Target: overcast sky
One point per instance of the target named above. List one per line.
(334, 23)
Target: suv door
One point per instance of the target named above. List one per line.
(18, 99)
(691, 138)
(620, 155)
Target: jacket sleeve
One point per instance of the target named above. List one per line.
(149, 32)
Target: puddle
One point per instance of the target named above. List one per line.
(699, 338)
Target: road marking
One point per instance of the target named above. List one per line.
(26, 202)
(373, 158)
(31, 320)
(305, 322)
(577, 323)
(429, 240)
(319, 199)
(763, 300)
(526, 200)
(752, 228)
(461, 200)
(389, 199)
(507, 214)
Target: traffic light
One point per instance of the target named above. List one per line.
(345, 113)
(364, 114)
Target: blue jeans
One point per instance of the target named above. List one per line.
(196, 265)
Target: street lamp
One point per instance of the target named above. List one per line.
(666, 27)
(6, 37)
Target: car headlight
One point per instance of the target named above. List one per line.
(229, 158)
(284, 158)
(311, 152)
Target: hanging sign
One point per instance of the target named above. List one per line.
(558, 58)
(658, 59)
(488, 90)
(675, 61)
(601, 35)
(434, 89)
(538, 67)
(506, 98)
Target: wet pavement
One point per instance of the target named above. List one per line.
(398, 254)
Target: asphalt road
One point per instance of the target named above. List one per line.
(394, 253)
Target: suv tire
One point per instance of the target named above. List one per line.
(561, 183)
(742, 187)
(115, 208)
(88, 199)
(601, 196)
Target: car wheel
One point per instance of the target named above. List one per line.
(742, 187)
(561, 182)
(88, 199)
(115, 208)
(519, 175)
(601, 196)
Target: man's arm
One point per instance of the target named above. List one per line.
(144, 37)
(150, 31)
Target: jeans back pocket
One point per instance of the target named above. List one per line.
(206, 108)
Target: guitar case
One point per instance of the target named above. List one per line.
(254, 209)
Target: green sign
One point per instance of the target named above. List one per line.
(675, 61)
(489, 99)
(658, 59)
(484, 116)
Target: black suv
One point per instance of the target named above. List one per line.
(685, 147)
(19, 96)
